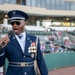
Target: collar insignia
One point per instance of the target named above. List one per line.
(13, 37)
(27, 38)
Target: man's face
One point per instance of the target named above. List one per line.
(18, 26)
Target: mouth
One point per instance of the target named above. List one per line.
(16, 30)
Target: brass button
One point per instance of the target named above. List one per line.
(25, 73)
(24, 56)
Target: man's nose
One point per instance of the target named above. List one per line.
(14, 24)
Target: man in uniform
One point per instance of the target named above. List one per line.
(21, 49)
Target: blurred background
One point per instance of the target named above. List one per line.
(53, 21)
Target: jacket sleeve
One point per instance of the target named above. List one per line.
(2, 56)
(40, 61)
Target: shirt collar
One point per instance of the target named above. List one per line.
(23, 33)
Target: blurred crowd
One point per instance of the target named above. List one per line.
(56, 42)
(4, 29)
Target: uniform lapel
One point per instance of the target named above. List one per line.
(27, 44)
(16, 44)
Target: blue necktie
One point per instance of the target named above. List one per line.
(20, 36)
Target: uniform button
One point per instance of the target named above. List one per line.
(25, 73)
(24, 56)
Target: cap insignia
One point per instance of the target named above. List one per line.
(14, 12)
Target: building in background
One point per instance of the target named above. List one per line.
(42, 12)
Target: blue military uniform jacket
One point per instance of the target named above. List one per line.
(14, 54)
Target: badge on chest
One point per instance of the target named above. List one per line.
(32, 48)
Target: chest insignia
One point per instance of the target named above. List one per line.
(32, 47)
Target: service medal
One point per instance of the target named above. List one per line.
(34, 51)
(32, 55)
(29, 51)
